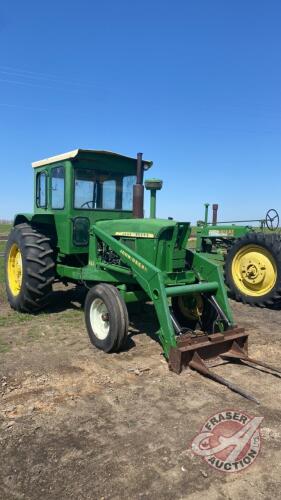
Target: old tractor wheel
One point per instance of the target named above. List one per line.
(253, 269)
(106, 317)
(29, 269)
(196, 311)
(188, 309)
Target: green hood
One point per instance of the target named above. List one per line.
(136, 228)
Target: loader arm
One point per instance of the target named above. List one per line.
(151, 280)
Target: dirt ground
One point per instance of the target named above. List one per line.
(76, 423)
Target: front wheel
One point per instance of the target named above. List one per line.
(188, 309)
(106, 317)
(196, 311)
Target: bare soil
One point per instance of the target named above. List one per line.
(76, 423)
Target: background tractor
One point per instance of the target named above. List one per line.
(88, 228)
(251, 256)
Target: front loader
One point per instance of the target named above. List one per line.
(88, 228)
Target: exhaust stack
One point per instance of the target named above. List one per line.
(215, 214)
(138, 190)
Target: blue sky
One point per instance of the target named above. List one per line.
(194, 85)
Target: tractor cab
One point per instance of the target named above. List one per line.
(75, 189)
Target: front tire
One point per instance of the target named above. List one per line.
(253, 269)
(188, 309)
(29, 269)
(106, 317)
(195, 312)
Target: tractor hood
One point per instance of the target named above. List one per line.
(138, 228)
(162, 242)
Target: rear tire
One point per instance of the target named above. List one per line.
(106, 317)
(253, 269)
(29, 269)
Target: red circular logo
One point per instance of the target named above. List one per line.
(229, 441)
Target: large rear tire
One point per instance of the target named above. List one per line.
(253, 269)
(29, 269)
(106, 317)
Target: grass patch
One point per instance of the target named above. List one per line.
(4, 347)
(34, 333)
(2, 246)
(15, 318)
(69, 315)
(5, 228)
(2, 279)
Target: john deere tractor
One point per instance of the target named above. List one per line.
(88, 228)
(250, 255)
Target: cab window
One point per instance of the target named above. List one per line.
(85, 189)
(127, 192)
(57, 187)
(41, 190)
(103, 191)
(109, 194)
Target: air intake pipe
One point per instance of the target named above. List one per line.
(153, 185)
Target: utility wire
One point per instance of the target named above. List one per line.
(22, 73)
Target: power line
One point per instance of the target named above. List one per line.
(31, 75)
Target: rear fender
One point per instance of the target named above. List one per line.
(21, 218)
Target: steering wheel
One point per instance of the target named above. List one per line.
(87, 204)
(272, 219)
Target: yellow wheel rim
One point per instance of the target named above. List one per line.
(254, 270)
(14, 269)
(191, 307)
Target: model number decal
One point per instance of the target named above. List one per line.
(134, 235)
(221, 232)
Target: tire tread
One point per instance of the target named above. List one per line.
(38, 268)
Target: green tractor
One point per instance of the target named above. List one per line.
(251, 256)
(88, 228)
